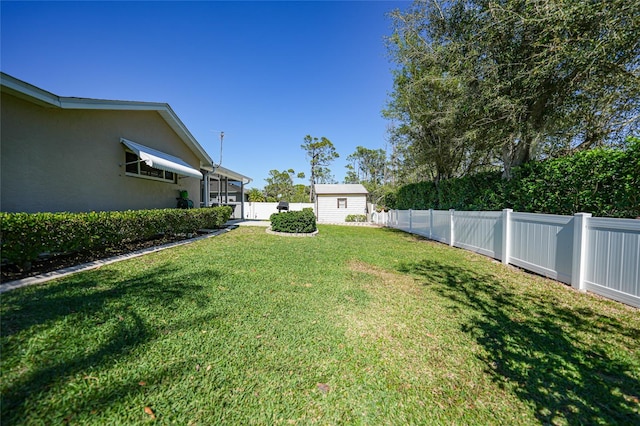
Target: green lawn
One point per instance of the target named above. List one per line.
(355, 326)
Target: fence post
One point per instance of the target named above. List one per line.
(410, 221)
(431, 224)
(506, 235)
(579, 250)
(451, 227)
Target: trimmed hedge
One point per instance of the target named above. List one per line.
(601, 181)
(24, 236)
(302, 222)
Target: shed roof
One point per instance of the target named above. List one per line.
(345, 188)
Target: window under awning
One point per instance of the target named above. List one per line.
(160, 160)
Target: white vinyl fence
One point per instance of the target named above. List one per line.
(263, 211)
(601, 255)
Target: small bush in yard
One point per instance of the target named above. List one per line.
(25, 236)
(302, 222)
(356, 218)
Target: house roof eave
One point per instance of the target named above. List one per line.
(41, 97)
(26, 91)
(231, 174)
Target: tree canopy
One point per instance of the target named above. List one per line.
(280, 186)
(320, 152)
(488, 83)
(366, 165)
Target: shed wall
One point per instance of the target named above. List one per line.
(327, 207)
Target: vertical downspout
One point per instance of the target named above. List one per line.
(219, 189)
(242, 198)
(226, 190)
(207, 186)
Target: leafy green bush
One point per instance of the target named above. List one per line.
(24, 236)
(601, 181)
(302, 222)
(356, 218)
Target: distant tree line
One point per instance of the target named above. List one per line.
(280, 184)
(370, 167)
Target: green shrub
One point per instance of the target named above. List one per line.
(302, 222)
(24, 236)
(356, 218)
(601, 181)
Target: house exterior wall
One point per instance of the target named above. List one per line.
(327, 207)
(72, 160)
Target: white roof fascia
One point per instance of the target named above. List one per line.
(27, 91)
(231, 174)
(163, 109)
(42, 97)
(178, 126)
(90, 103)
(340, 189)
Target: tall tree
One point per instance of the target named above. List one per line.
(320, 153)
(510, 78)
(367, 166)
(255, 195)
(280, 185)
(431, 98)
(300, 193)
(324, 175)
(351, 176)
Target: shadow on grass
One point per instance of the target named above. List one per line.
(533, 345)
(90, 301)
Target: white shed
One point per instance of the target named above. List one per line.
(334, 202)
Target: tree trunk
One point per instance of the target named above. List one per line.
(514, 154)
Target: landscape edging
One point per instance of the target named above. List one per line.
(292, 234)
(48, 276)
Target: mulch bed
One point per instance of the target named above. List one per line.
(13, 272)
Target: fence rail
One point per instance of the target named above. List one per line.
(601, 255)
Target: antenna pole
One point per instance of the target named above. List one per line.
(221, 137)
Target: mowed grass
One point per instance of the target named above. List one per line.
(354, 326)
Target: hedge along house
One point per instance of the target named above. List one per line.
(78, 154)
(335, 202)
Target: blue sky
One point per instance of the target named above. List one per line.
(265, 73)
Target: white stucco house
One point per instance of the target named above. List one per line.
(335, 202)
